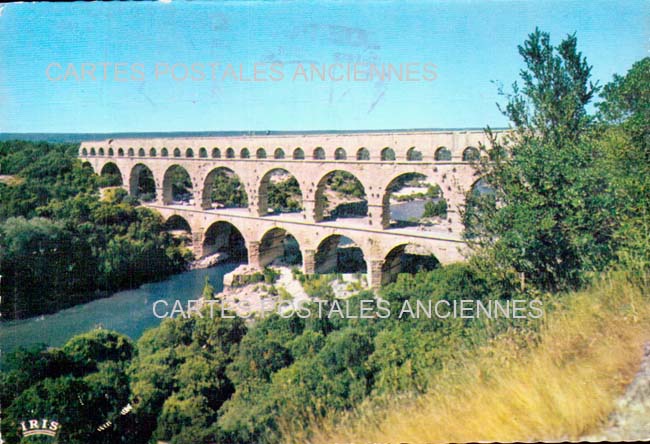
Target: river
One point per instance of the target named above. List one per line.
(406, 211)
(128, 312)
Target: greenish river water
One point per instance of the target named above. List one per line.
(129, 312)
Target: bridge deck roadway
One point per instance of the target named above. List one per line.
(377, 244)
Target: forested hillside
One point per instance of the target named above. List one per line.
(61, 245)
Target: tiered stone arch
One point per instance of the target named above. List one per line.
(298, 154)
(442, 154)
(414, 155)
(387, 191)
(363, 154)
(326, 254)
(135, 181)
(309, 158)
(471, 154)
(274, 244)
(167, 192)
(321, 185)
(177, 221)
(263, 185)
(205, 193)
(388, 154)
(455, 179)
(190, 224)
(398, 260)
(224, 237)
(111, 168)
(319, 153)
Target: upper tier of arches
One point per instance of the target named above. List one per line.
(353, 154)
(399, 148)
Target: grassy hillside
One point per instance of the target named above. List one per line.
(559, 383)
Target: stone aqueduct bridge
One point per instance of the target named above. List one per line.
(377, 160)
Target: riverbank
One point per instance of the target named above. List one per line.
(128, 311)
(208, 261)
(284, 292)
(88, 297)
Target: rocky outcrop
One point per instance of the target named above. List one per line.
(208, 261)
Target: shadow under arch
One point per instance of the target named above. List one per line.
(224, 237)
(388, 154)
(298, 154)
(414, 155)
(277, 244)
(337, 253)
(442, 154)
(142, 185)
(319, 153)
(110, 175)
(471, 154)
(363, 154)
(177, 222)
(409, 258)
(180, 229)
(177, 185)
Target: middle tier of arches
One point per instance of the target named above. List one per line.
(158, 181)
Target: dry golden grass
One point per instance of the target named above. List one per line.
(558, 385)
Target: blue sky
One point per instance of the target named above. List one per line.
(472, 43)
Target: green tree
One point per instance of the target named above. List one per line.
(228, 190)
(285, 196)
(550, 215)
(82, 386)
(435, 208)
(625, 117)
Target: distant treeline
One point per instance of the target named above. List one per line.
(80, 137)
